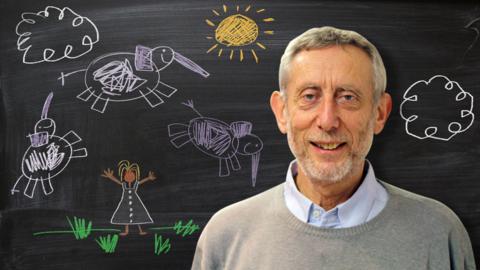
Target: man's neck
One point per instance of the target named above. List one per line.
(327, 194)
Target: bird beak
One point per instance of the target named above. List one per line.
(255, 162)
(184, 61)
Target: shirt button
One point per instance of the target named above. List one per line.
(129, 192)
(130, 202)
(131, 209)
(316, 214)
(131, 214)
(129, 197)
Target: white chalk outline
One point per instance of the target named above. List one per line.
(228, 139)
(432, 130)
(67, 143)
(24, 37)
(152, 95)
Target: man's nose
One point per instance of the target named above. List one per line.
(327, 115)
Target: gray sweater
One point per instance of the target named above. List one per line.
(411, 232)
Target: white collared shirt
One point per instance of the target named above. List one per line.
(368, 200)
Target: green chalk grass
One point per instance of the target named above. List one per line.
(161, 246)
(186, 229)
(80, 229)
(108, 243)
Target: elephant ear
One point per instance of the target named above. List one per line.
(143, 58)
(241, 128)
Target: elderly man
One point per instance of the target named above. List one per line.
(332, 213)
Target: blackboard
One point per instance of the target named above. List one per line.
(418, 41)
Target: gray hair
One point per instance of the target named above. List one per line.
(327, 36)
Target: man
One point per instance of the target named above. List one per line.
(332, 213)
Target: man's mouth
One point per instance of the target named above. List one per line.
(327, 146)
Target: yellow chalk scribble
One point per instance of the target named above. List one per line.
(235, 30)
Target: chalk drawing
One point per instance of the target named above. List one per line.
(123, 76)
(48, 154)
(82, 229)
(107, 243)
(220, 140)
(44, 36)
(130, 209)
(234, 28)
(161, 246)
(437, 109)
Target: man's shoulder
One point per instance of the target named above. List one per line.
(246, 211)
(422, 208)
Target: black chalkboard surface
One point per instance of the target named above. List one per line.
(132, 112)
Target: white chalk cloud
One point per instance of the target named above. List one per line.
(53, 34)
(436, 109)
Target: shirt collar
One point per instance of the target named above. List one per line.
(355, 211)
(298, 204)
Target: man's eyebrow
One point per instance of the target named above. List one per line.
(349, 87)
(308, 85)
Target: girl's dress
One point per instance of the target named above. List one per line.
(130, 209)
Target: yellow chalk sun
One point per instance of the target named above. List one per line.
(235, 29)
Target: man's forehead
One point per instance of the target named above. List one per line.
(350, 66)
(332, 52)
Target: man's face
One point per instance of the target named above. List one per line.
(329, 114)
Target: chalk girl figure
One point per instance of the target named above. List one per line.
(130, 209)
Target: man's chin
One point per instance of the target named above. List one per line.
(326, 172)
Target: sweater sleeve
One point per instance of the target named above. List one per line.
(204, 255)
(210, 247)
(460, 247)
(453, 249)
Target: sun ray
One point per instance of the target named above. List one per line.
(225, 9)
(260, 10)
(215, 12)
(268, 32)
(248, 8)
(269, 20)
(261, 45)
(220, 52)
(255, 56)
(231, 54)
(241, 55)
(212, 48)
(210, 22)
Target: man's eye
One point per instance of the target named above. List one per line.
(309, 97)
(347, 98)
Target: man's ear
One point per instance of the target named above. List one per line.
(384, 108)
(278, 103)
